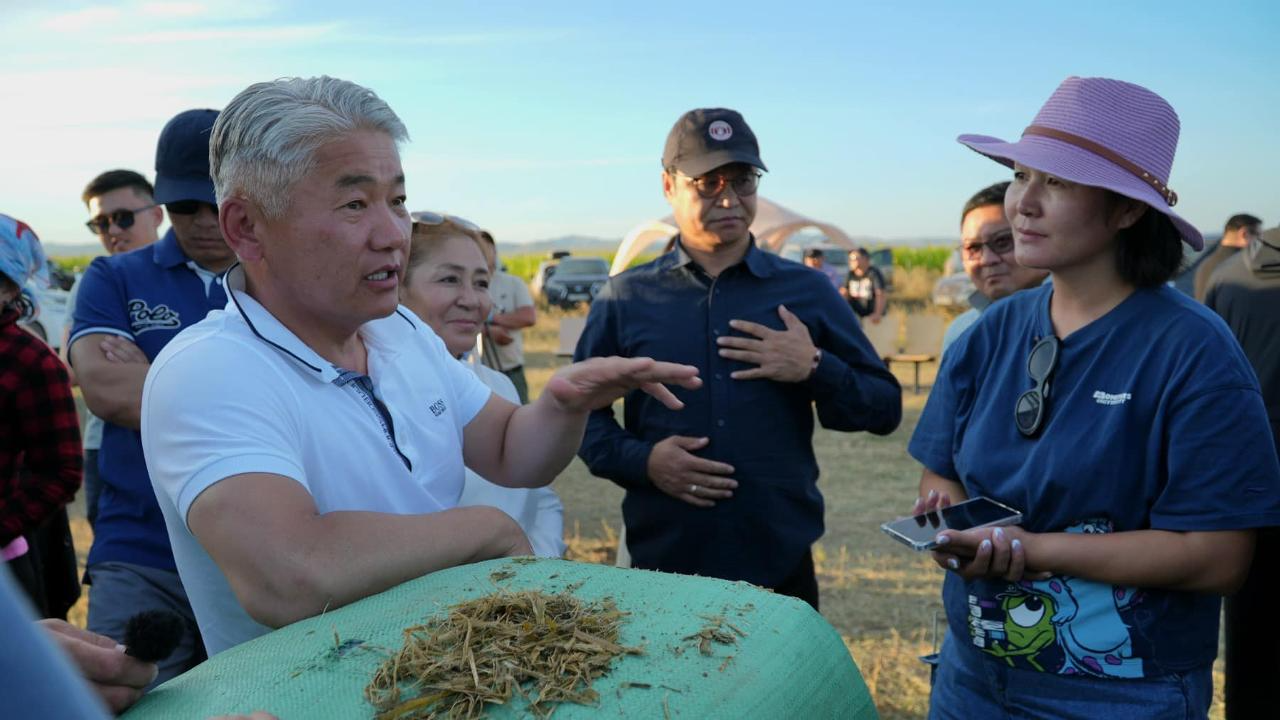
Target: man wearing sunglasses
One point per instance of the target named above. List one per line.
(129, 307)
(728, 487)
(124, 216)
(986, 249)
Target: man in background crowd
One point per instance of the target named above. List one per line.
(727, 487)
(124, 216)
(986, 249)
(130, 307)
(1239, 231)
(865, 288)
(502, 344)
(813, 258)
(1245, 291)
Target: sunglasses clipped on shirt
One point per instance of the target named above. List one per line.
(713, 184)
(122, 219)
(1032, 409)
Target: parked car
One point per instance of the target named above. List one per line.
(575, 280)
(50, 321)
(953, 291)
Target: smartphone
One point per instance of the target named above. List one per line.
(921, 531)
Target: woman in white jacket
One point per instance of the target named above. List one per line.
(446, 283)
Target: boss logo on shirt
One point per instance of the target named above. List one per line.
(143, 317)
(1106, 398)
(438, 407)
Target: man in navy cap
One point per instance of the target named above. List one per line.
(129, 307)
(728, 486)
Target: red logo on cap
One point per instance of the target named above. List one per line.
(720, 130)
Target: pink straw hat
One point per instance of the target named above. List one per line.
(1103, 133)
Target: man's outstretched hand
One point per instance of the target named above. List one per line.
(597, 382)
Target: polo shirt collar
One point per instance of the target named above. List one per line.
(755, 260)
(167, 253)
(383, 335)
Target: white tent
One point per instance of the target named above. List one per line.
(772, 226)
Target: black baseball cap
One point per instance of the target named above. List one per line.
(182, 158)
(705, 139)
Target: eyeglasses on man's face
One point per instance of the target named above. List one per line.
(1001, 244)
(122, 219)
(713, 184)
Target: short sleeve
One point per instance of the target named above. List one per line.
(201, 424)
(933, 443)
(1223, 473)
(101, 306)
(523, 298)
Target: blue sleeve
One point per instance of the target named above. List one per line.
(933, 442)
(101, 305)
(609, 450)
(1222, 467)
(852, 389)
(36, 680)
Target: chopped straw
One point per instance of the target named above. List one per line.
(547, 648)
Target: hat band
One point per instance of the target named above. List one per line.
(1106, 153)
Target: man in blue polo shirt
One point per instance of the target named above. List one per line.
(130, 306)
(728, 486)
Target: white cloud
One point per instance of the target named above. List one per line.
(260, 33)
(173, 9)
(82, 19)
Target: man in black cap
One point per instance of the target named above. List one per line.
(728, 486)
(129, 307)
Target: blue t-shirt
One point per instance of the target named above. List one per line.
(147, 296)
(1154, 421)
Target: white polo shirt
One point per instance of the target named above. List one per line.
(239, 393)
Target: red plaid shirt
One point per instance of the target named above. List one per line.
(40, 460)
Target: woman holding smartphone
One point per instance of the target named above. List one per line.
(1117, 414)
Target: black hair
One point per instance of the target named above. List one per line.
(114, 180)
(989, 195)
(1149, 252)
(1243, 220)
(21, 302)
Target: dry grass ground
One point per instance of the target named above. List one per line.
(880, 596)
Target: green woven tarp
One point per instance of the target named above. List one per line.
(791, 664)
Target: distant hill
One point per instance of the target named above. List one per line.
(57, 250)
(564, 242)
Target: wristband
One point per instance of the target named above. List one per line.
(817, 358)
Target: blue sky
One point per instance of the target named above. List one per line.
(540, 119)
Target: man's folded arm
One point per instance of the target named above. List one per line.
(285, 561)
(852, 388)
(112, 390)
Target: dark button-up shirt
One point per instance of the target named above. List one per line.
(671, 310)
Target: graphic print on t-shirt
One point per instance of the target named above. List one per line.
(1062, 625)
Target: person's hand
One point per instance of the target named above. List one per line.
(993, 553)
(116, 677)
(676, 471)
(597, 382)
(782, 355)
(120, 350)
(875, 319)
(500, 335)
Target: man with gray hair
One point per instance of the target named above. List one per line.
(327, 456)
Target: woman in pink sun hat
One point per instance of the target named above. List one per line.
(1117, 414)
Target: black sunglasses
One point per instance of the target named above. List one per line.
(1033, 405)
(189, 207)
(122, 219)
(711, 185)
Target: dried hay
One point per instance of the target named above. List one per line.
(547, 648)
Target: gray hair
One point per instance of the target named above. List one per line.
(267, 137)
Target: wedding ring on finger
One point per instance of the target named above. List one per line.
(693, 489)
